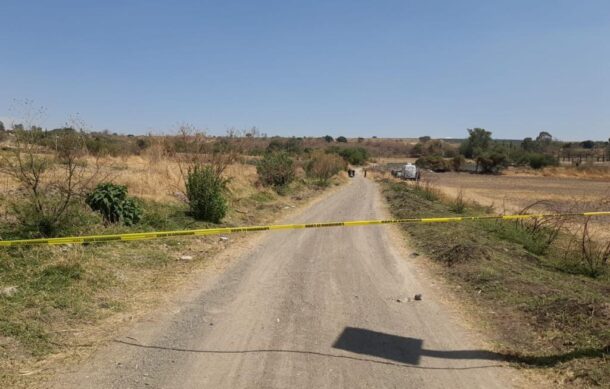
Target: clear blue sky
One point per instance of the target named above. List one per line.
(354, 68)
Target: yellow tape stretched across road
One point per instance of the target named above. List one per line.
(229, 230)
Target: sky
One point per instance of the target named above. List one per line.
(309, 68)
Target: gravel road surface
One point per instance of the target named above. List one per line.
(305, 309)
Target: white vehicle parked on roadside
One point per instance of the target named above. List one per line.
(410, 172)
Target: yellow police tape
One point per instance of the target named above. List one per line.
(228, 230)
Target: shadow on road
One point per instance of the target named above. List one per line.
(302, 352)
(409, 350)
(399, 351)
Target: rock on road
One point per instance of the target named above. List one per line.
(308, 309)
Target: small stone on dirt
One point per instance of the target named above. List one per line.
(223, 238)
(186, 258)
(413, 255)
(9, 291)
(417, 297)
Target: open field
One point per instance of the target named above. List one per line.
(515, 192)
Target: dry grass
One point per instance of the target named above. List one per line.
(154, 179)
(600, 172)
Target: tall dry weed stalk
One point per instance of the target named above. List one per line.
(458, 205)
(50, 183)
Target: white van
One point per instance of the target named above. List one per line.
(410, 172)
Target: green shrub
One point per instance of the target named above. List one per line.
(458, 162)
(491, 162)
(538, 161)
(435, 163)
(276, 169)
(354, 155)
(205, 191)
(112, 202)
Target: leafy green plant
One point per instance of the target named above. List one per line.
(112, 202)
(276, 169)
(538, 160)
(205, 191)
(354, 155)
(434, 162)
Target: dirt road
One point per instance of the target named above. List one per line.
(305, 308)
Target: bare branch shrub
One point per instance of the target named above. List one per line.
(322, 166)
(51, 184)
(589, 251)
(544, 230)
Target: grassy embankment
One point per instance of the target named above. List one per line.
(69, 299)
(542, 305)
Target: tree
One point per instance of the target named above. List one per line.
(328, 138)
(434, 147)
(342, 139)
(457, 162)
(2, 127)
(544, 137)
(588, 144)
(354, 155)
(424, 139)
(528, 144)
(491, 161)
(479, 140)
